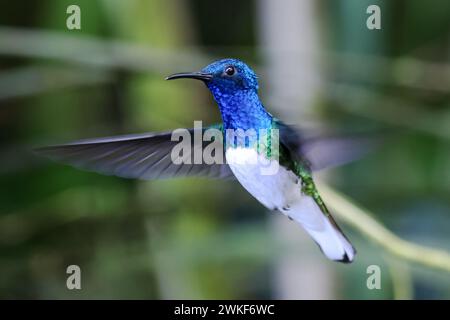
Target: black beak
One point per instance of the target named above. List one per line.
(191, 75)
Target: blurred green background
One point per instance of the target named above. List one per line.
(318, 64)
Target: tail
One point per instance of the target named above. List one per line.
(323, 229)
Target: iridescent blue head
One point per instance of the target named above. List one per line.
(235, 88)
(231, 75)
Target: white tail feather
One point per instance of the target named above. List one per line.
(322, 229)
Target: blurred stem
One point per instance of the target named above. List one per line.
(111, 54)
(351, 98)
(95, 52)
(100, 52)
(363, 221)
(27, 81)
(401, 279)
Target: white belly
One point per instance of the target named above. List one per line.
(271, 184)
(282, 190)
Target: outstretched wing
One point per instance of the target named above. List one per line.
(144, 156)
(324, 151)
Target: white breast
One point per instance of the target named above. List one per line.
(271, 184)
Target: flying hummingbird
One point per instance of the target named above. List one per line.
(290, 189)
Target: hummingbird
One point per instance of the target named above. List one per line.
(290, 189)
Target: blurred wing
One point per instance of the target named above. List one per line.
(144, 156)
(322, 152)
(328, 152)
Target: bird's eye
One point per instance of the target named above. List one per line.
(230, 70)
